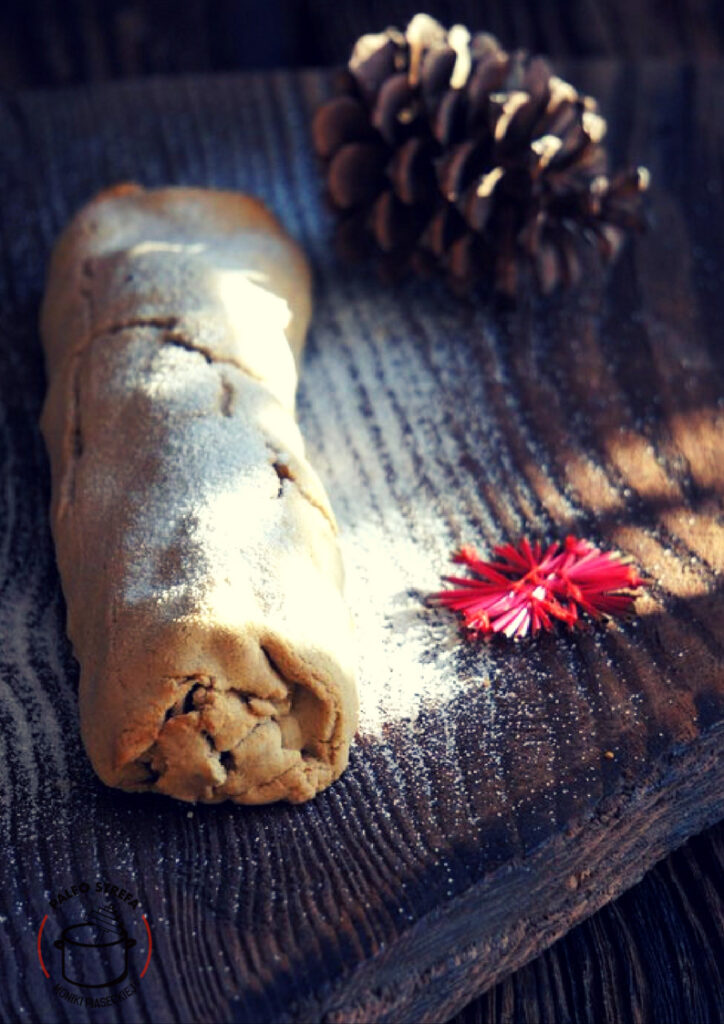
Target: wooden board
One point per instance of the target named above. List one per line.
(481, 816)
(654, 954)
(48, 42)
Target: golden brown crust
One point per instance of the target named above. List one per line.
(196, 545)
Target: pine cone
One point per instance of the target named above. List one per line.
(442, 151)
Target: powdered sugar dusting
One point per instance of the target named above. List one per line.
(390, 489)
(401, 662)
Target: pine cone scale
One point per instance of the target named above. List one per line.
(356, 174)
(342, 120)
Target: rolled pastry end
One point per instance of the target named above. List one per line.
(272, 731)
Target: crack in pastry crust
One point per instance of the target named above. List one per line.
(281, 462)
(229, 722)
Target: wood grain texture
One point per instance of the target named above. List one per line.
(53, 42)
(654, 954)
(481, 817)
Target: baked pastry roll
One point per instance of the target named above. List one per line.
(196, 546)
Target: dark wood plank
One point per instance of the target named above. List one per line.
(655, 954)
(481, 816)
(54, 42)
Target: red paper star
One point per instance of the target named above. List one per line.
(527, 588)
